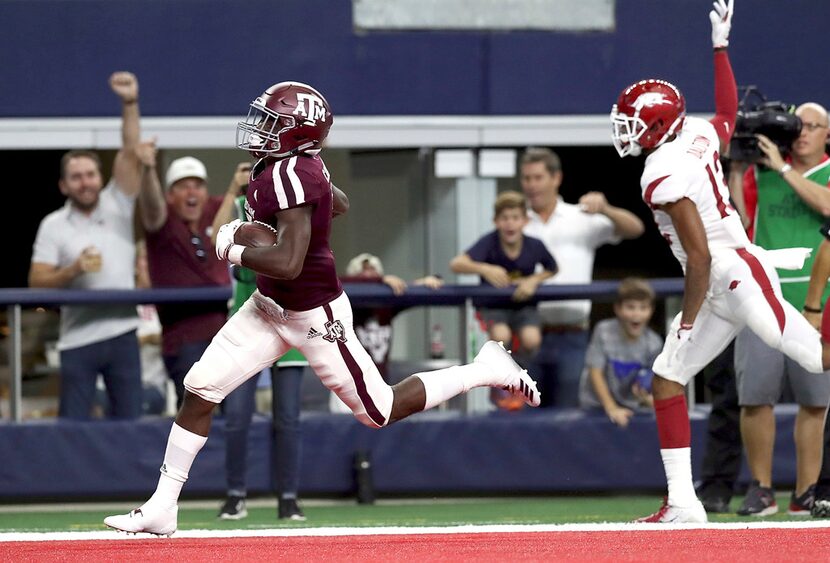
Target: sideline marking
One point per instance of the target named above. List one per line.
(111, 535)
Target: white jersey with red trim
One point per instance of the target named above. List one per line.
(689, 167)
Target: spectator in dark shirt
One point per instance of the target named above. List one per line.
(180, 254)
(507, 258)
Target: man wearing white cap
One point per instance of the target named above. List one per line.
(179, 250)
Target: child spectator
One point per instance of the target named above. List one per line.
(618, 363)
(503, 258)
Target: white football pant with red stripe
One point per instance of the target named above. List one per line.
(743, 291)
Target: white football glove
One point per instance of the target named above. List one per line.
(721, 18)
(224, 238)
(684, 332)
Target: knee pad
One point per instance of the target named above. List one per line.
(199, 382)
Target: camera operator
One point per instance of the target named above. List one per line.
(785, 200)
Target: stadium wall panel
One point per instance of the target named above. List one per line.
(210, 58)
(544, 451)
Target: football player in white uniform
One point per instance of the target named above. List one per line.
(729, 282)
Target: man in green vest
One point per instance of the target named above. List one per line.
(786, 200)
(816, 301)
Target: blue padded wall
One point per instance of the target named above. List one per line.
(544, 451)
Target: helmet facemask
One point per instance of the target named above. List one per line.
(627, 130)
(261, 131)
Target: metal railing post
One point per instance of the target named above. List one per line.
(468, 350)
(15, 364)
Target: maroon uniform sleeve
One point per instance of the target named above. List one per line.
(284, 184)
(726, 97)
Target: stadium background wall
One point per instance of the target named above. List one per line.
(209, 58)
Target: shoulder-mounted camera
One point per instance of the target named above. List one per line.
(756, 114)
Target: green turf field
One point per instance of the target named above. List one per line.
(421, 512)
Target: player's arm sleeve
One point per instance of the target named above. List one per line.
(312, 187)
(726, 98)
(285, 186)
(664, 188)
(750, 193)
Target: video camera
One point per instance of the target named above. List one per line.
(776, 120)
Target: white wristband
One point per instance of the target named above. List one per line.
(235, 254)
(784, 169)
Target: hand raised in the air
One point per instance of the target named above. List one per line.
(125, 85)
(721, 18)
(146, 152)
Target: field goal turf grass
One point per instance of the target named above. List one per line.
(201, 515)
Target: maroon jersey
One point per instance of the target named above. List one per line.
(179, 258)
(283, 184)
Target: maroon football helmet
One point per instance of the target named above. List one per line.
(646, 114)
(288, 118)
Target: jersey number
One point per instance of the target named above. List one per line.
(721, 205)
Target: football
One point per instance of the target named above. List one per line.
(255, 233)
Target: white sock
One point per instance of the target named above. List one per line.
(444, 384)
(678, 465)
(182, 447)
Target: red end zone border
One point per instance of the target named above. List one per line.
(750, 543)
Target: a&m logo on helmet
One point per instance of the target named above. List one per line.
(310, 107)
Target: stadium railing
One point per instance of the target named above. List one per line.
(360, 295)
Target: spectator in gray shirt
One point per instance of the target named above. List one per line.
(617, 377)
(89, 244)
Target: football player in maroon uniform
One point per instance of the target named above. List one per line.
(299, 303)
